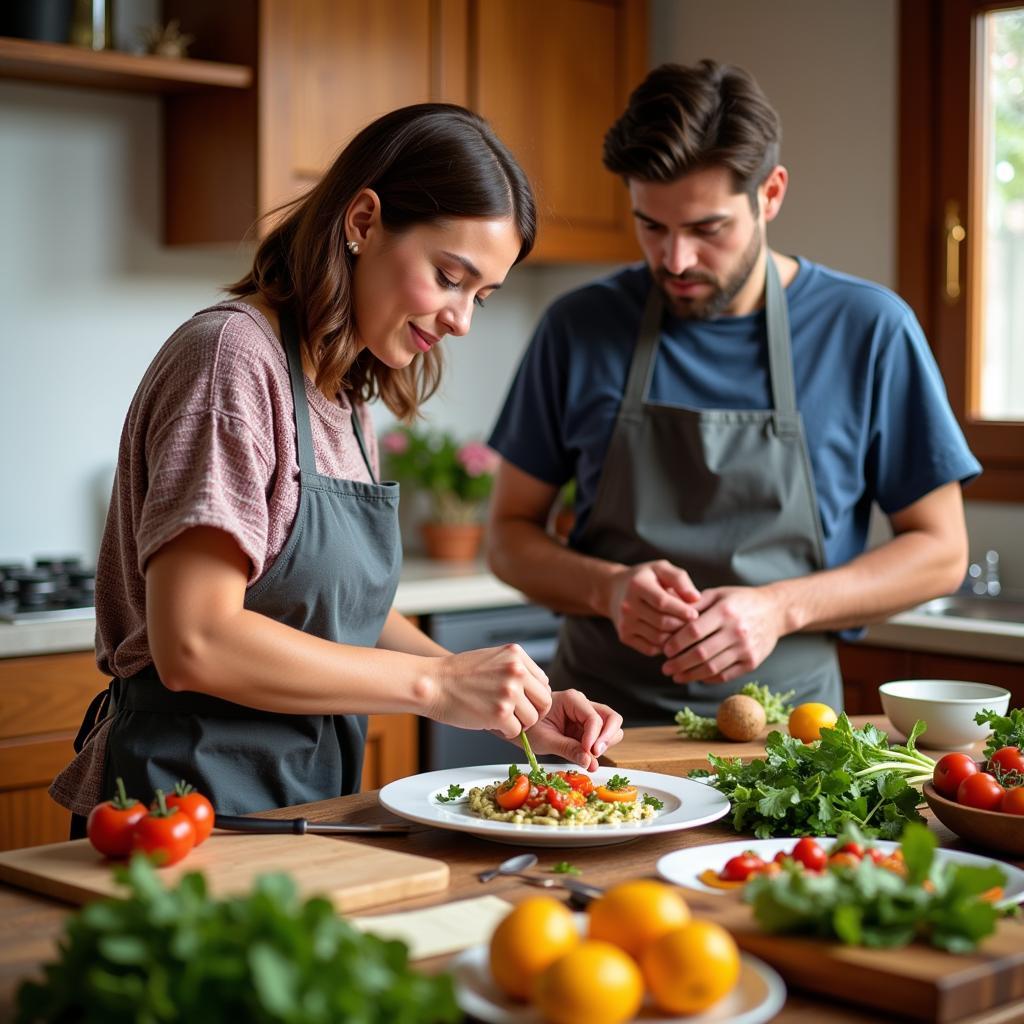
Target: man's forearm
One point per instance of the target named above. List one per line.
(911, 568)
(525, 556)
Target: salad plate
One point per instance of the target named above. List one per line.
(759, 995)
(686, 804)
(684, 867)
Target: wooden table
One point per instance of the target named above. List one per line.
(30, 924)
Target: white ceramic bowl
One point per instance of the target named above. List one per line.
(948, 706)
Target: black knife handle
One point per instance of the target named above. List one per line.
(263, 826)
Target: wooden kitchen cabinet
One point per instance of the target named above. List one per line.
(865, 667)
(551, 75)
(42, 701)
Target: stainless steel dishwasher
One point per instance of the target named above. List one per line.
(534, 628)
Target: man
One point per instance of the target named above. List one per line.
(729, 415)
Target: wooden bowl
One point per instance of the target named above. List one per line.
(991, 829)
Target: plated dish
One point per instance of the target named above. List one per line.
(425, 799)
(684, 867)
(758, 996)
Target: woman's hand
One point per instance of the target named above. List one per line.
(498, 688)
(577, 729)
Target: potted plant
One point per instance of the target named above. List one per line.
(458, 479)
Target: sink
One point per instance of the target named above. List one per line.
(971, 606)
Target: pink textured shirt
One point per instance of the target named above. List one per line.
(209, 440)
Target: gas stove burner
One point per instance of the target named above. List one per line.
(56, 588)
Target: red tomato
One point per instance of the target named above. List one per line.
(781, 857)
(877, 855)
(110, 824)
(950, 771)
(980, 790)
(513, 793)
(854, 849)
(165, 835)
(1013, 801)
(611, 796)
(843, 859)
(581, 783)
(740, 868)
(809, 853)
(196, 806)
(538, 797)
(1007, 759)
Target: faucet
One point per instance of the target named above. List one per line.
(984, 580)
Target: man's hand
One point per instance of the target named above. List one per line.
(649, 602)
(737, 628)
(577, 729)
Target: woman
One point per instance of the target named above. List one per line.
(251, 555)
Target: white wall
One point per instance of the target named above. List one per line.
(88, 293)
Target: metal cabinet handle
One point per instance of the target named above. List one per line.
(955, 235)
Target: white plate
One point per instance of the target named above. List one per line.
(758, 996)
(687, 805)
(683, 867)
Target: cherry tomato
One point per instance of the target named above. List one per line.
(980, 790)
(1013, 801)
(581, 783)
(538, 797)
(810, 853)
(740, 868)
(560, 799)
(622, 796)
(110, 824)
(166, 834)
(513, 793)
(878, 856)
(854, 849)
(843, 859)
(1007, 759)
(950, 771)
(196, 806)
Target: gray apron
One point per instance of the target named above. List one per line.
(725, 494)
(335, 578)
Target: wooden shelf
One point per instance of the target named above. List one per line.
(109, 69)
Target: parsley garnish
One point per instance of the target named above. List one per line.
(454, 792)
(617, 782)
(653, 801)
(563, 867)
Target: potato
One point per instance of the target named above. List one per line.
(740, 718)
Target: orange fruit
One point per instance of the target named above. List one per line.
(807, 721)
(691, 968)
(631, 915)
(532, 935)
(595, 983)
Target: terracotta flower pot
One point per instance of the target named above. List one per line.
(452, 542)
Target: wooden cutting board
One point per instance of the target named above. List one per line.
(351, 875)
(659, 748)
(926, 983)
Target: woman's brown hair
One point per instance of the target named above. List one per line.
(684, 119)
(428, 162)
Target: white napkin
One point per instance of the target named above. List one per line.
(445, 928)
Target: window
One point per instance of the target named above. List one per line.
(961, 231)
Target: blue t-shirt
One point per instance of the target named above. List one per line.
(876, 416)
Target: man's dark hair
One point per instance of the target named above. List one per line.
(684, 119)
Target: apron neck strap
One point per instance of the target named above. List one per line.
(780, 361)
(357, 427)
(303, 431)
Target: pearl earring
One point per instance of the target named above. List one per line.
(353, 247)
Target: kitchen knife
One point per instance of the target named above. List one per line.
(300, 826)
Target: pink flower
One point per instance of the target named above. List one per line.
(477, 459)
(395, 443)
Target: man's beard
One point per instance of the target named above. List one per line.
(718, 301)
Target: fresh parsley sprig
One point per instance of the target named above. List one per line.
(454, 792)
(1007, 730)
(853, 776)
(869, 905)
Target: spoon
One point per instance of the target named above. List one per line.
(512, 866)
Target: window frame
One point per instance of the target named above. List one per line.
(940, 49)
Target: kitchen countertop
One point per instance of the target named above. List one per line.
(30, 924)
(428, 587)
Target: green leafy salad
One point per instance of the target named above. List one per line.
(851, 776)
(178, 954)
(697, 727)
(939, 901)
